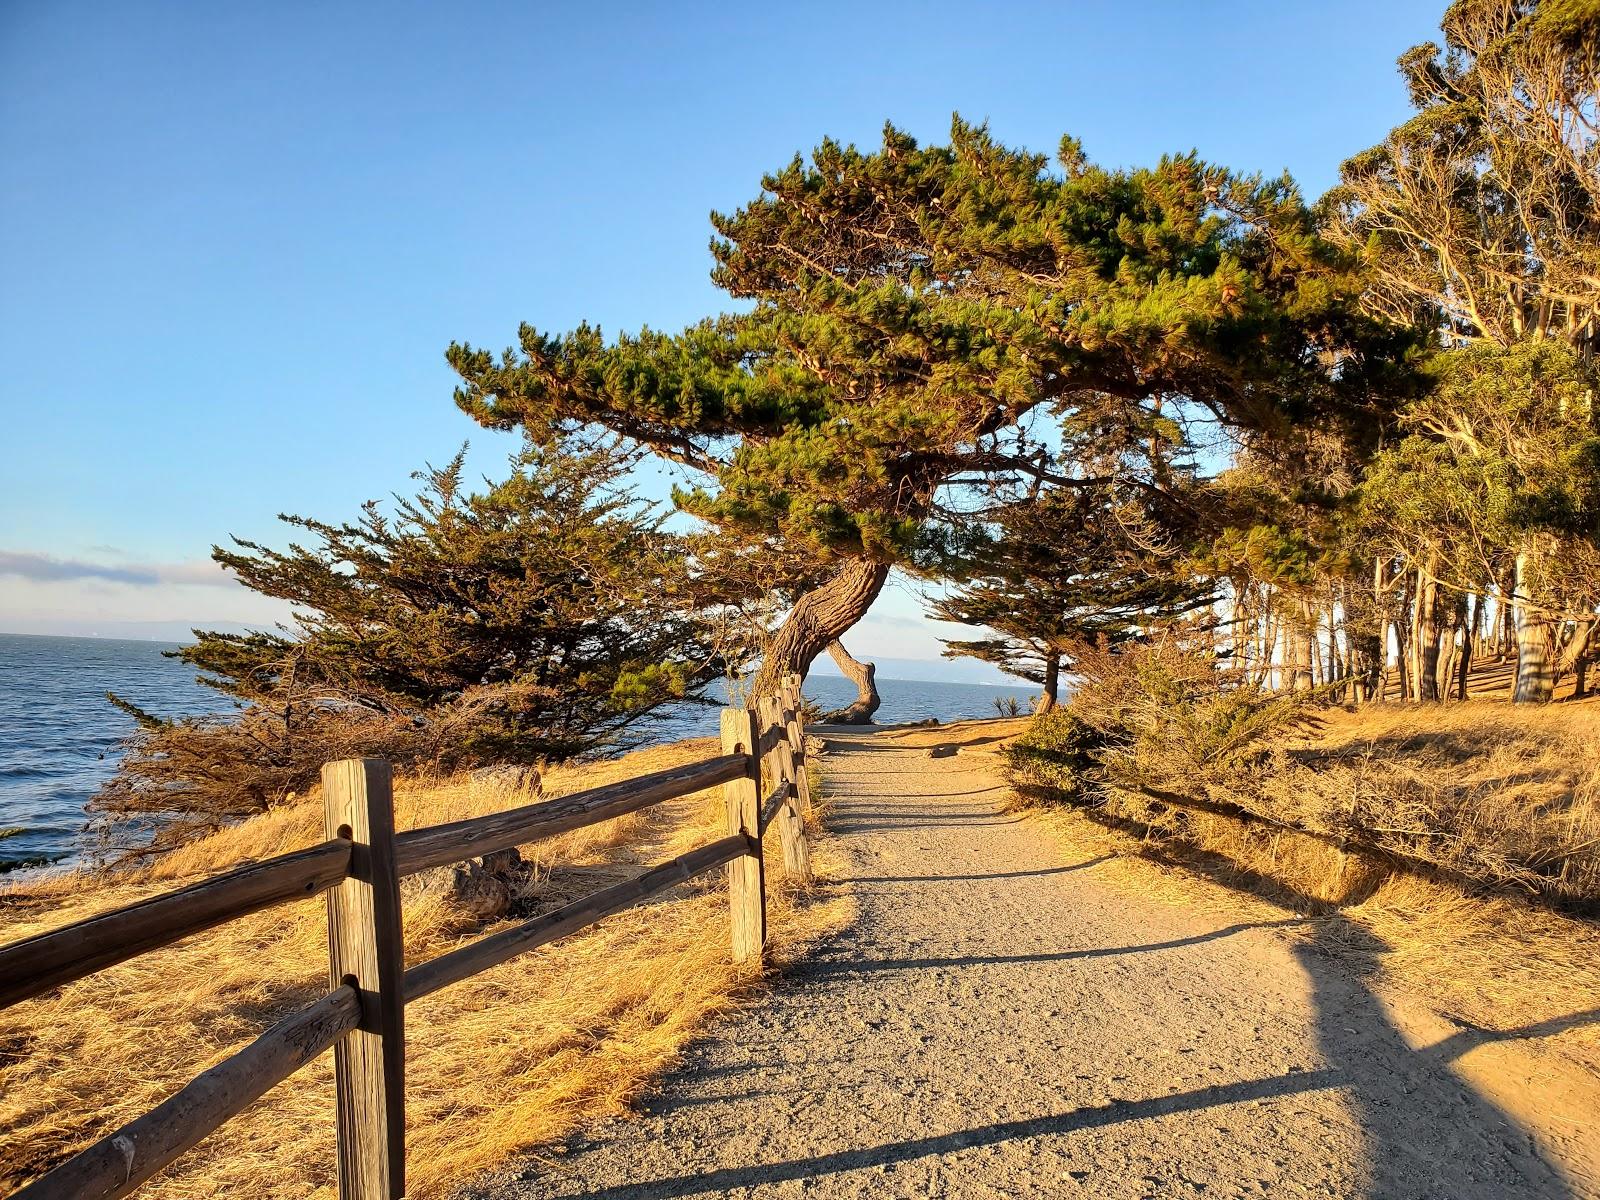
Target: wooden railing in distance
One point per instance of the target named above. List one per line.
(362, 1017)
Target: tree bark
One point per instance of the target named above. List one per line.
(864, 676)
(1405, 637)
(1428, 627)
(1376, 642)
(1052, 682)
(1468, 637)
(1575, 656)
(823, 614)
(1538, 645)
(1332, 673)
(1537, 636)
(1283, 650)
(1506, 627)
(1304, 677)
(1266, 641)
(1577, 648)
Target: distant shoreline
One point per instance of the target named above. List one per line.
(818, 670)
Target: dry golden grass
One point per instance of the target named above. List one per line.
(1497, 772)
(510, 1059)
(1501, 793)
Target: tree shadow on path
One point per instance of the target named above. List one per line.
(1424, 1134)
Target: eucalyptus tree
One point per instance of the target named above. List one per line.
(1501, 471)
(1480, 218)
(913, 320)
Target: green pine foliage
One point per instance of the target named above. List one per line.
(920, 317)
(1051, 573)
(539, 619)
(1057, 758)
(1501, 459)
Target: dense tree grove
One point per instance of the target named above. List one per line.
(1479, 221)
(1352, 444)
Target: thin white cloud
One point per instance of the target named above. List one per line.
(45, 568)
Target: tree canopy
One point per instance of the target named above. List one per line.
(1053, 574)
(1479, 220)
(923, 316)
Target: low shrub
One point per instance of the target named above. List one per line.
(1056, 757)
(1482, 796)
(1147, 716)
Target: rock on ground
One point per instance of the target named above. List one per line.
(999, 1022)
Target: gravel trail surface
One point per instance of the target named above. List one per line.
(999, 1022)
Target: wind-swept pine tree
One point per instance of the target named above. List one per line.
(924, 316)
(538, 619)
(1068, 569)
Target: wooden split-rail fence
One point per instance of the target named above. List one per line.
(359, 866)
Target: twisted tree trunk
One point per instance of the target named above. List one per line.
(819, 617)
(1575, 656)
(864, 676)
(1577, 648)
(1052, 682)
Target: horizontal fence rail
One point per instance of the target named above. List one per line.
(776, 799)
(361, 1017)
(116, 1165)
(49, 960)
(473, 837)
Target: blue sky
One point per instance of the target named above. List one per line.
(235, 239)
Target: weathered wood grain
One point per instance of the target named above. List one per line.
(794, 702)
(116, 1165)
(48, 960)
(365, 951)
(747, 898)
(775, 800)
(781, 802)
(771, 734)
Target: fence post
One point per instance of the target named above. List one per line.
(780, 759)
(795, 703)
(742, 796)
(365, 950)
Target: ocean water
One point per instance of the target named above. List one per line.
(60, 738)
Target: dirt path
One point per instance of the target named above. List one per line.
(998, 1023)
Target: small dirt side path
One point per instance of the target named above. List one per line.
(999, 1022)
